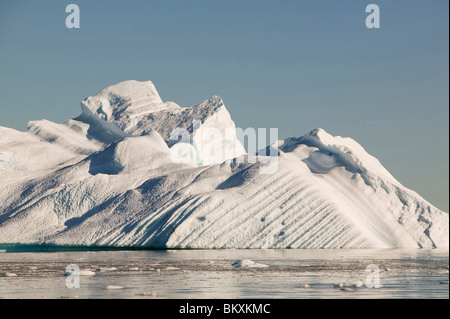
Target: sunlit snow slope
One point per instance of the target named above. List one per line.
(107, 178)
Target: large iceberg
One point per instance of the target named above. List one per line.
(108, 178)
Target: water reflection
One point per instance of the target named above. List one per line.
(209, 274)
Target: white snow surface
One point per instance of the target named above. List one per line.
(106, 178)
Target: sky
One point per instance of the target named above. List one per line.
(292, 65)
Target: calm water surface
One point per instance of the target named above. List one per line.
(420, 273)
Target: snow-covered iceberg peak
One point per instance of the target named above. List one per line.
(134, 108)
(343, 168)
(335, 151)
(126, 102)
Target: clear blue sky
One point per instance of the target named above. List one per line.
(295, 65)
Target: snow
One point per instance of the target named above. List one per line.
(108, 177)
(136, 109)
(126, 100)
(25, 152)
(71, 136)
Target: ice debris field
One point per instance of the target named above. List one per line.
(107, 178)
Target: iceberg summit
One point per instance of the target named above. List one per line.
(109, 178)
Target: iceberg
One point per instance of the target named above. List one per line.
(107, 178)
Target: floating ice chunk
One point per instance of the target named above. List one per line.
(133, 268)
(112, 287)
(248, 263)
(171, 268)
(243, 263)
(351, 285)
(105, 269)
(356, 284)
(305, 286)
(86, 272)
(257, 265)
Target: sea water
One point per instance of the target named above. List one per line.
(308, 273)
